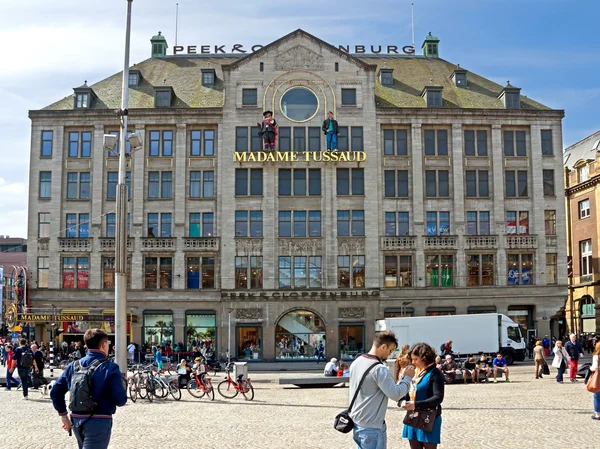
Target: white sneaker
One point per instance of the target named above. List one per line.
(25, 398)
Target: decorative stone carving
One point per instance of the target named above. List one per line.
(299, 58)
(303, 247)
(248, 314)
(351, 246)
(248, 246)
(352, 312)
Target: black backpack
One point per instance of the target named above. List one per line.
(26, 358)
(80, 393)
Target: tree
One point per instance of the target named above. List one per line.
(152, 333)
(161, 328)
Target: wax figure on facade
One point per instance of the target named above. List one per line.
(268, 131)
(331, 131)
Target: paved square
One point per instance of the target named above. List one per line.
(525, 414)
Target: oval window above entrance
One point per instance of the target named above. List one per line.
(299, 104)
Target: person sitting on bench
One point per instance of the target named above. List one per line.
(470, 369)
(331, 368)
(484, 367)
(500, 365)
(449, 369)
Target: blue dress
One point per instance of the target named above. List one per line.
(411, 433)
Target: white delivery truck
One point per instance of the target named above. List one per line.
(489, 333)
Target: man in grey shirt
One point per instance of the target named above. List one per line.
(368, 411)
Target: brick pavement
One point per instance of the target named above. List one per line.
(525, 414)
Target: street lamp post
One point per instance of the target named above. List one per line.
(121, 216)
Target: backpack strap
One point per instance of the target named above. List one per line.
(360, 384)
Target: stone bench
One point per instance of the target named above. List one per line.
(314, 382)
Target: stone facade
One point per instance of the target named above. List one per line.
(301, 61)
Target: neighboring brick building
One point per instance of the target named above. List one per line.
(456, 209)
(582, 167)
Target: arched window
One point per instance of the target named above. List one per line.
(588, 307)
(299, 334)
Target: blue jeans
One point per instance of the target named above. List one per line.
(597, 403)
(331, 140)
(561, 371)
(24, 376)
(370, 438)
(93, 433)
(11, 381)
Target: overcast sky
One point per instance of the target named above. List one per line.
(549, 48)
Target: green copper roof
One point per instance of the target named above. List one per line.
(430, 38)
(158, 37)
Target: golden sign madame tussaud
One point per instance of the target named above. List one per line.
(301, 156)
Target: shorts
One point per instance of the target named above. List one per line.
(159, 366)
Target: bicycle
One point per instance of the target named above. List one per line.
(229, 389)
(200, 385)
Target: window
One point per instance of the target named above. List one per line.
(396, 224)
(71, 226)
(511, 222)
(77, 226)
(166, 184)
(460, 79)
(44, 224)
(398, 271)
(478, 223)
(395, 142)
(357, 138)
(548, 176)
(80, 144)
(395, 183)
(201, 224)
(161, 143)
(351, 223)
(476, 143)
(436, 184)
(46, 150)
(477, 183)
(111, 224)
(43, 272)
(584, 209)
(165, 225)
(196, 148)
(551, 268)
(208, 77)
(45, 184)
(245, 272)
(202, 184)
(515, 140)
(386, 78)
(241, 224)
(519, 269)
(78, 190)
(112, 178)
(547, 149)
(255, 140)
(108, 272)
(81, 100)
(153, 225)
(75, 272)
(585, 263)
(300, 272)
(314, 139)
(299, 139)
(300, 225)
(435, 227)
(134, 79)
(516, 183)
(160, 184)
(550, 222)
(115, 151)
(513, 100)
(436, 142)
(350, 181)
(163, 98)
(195, 225)
(200, 272)
(351, 271)
(348, 97)
(285, 143)
(241, 139)
(480, 269)
(439, 270)
(244, 185)
(249, 97)
(583, 173)
(285, 224)
(158, 272)
(434, 98)
(84, 186)
(343, 138)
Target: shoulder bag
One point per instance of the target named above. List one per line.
(593, 383)
(343, 423)
(421, 419)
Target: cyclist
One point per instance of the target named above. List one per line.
(200, 367)
(183, 373)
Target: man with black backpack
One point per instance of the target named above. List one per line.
(24, 359)
(95, 387)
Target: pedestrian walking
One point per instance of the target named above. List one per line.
(561, 359)
(131, 352)
(575, 351)
(369, 402)
(427, 398)
(37, 375)
(24, 359)
(96, 390)
(539, 359)
(595, 367)
(11, 366)
(546, 344)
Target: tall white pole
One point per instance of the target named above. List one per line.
(121, 218)
(176, 21)
(229, 339)
(412, 6)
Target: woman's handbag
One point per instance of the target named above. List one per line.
(343, 423)
(593, 384)
(545, 369)
(421, 419)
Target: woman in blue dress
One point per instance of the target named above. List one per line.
(429, 396)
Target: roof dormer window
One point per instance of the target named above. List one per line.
(433, 96)
(386, 77)
(511, 96)
(208, 77)
(134, 78)
(163, 97)
(460, 77)
(83, 97)
(82, 100)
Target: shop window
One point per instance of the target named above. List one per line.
(474, 310)
(439, 270)
(299, 272)
(523, 223)
(398, 271)
(352, 337)
(399, 312)
(248, 270)
(75, 272)
(108, 272)
(440, 311)
(158, 327)
(158, 272)
(249, 342)
(200, 327)
(551, 270)
(299, 335)
(519, 269)
(351, 271)
(480, 269)
(200, 273)
(438, 223)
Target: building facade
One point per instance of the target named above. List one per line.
(444, 196)
(582, 173)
